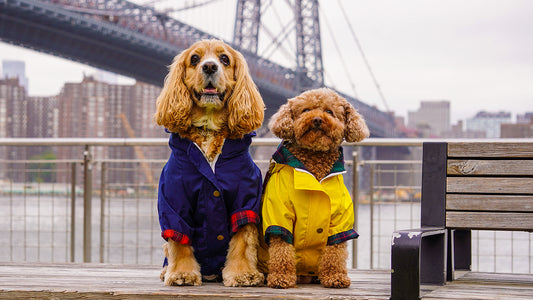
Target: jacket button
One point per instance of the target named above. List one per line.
(220, 237)
(216, 193)
(319, 230)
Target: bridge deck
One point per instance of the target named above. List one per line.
(101, 281)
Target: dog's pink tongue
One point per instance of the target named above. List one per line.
(210, 91)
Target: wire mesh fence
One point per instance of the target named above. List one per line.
(95, 209)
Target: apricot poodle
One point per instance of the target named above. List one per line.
(307, 210)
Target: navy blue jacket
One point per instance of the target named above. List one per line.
(204, 208)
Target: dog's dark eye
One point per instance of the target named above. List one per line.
(195, 59)
(329, 111)
(224, 59)
(306, 110)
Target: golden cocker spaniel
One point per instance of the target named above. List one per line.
(209, 191)
(209, 95)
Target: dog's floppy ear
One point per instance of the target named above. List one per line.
(355, 129)
(282, 124)
(245, 106)
(173, 104)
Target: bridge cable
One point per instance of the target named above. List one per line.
(354, 36)
(277, 41)
(339, 53)
(186, 7)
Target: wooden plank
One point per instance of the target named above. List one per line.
(489, 220)
(490, 185)
(490, 149)
(101, 281)
(489, 202)
(489, 167)
(487, 286)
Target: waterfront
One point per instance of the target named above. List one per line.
(37, 228)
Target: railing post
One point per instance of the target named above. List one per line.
(73, 213)
(87, 197)
(371, 216)
(102, 205)
(355, 197)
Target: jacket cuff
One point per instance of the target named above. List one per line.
(283, 233)
(177, 237)
(342, 237)
(242, 218)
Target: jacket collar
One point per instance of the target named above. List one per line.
(232, 147)
(284, 156)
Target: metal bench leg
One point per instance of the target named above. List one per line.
(418, 256)
(433, 259)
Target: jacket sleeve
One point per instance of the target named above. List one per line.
(174, 216)
(342, 220)
(277, 211)
(242, 195)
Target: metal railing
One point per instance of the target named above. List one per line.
(89, 208)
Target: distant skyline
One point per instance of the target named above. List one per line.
(475, 54)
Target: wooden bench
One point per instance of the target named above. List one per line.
(465, 186)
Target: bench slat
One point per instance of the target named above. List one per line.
(489, 220)
(496, 149)
(489, 167)
(489, 202)
(490, 185)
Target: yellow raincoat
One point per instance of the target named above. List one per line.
(305, 212)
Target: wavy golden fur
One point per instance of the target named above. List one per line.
(209, 95)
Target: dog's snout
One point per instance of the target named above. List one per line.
(317, 121)
(209, 68)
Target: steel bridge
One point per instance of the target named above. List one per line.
(140, 42)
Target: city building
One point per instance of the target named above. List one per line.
(13, 108)
(15, 69)
(92, 108)
(489, 122)
(13, 123)
(518, 130)
(525, 118)
(457, 132)
(431, 119)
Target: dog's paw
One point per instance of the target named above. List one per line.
(163, 272)
(253, 278)
(183, 278)
(281, 281)
(338, 280)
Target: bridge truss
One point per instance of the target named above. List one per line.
(140, 42)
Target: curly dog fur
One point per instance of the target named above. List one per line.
(313, 126)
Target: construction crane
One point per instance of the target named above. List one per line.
(138, 151)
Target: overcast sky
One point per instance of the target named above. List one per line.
(476, 54)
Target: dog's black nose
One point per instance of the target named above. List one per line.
(317, 121)
(209, 68)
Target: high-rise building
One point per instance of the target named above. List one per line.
(524, 118)
(490, 122)
(457, 131)
(432, 116)
(97, 109)
(518, 130)
(15, 69)
(13, 109)
(13, 123)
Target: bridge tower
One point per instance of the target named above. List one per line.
(247, 21)
(309, 67)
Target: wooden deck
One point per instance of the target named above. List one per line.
(100, 281)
